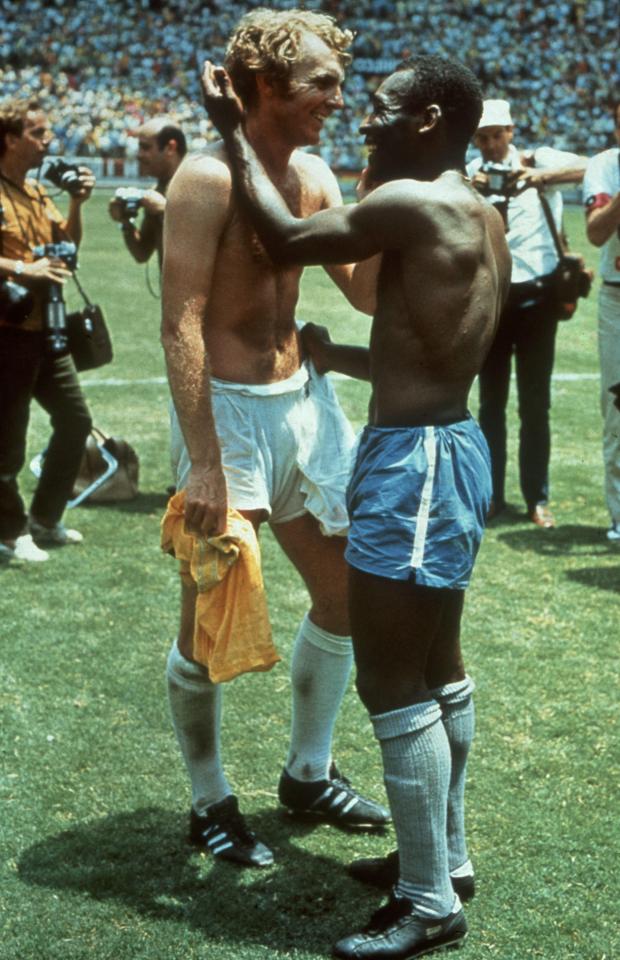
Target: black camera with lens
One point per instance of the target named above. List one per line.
(500, 180)
(54, 313)
(130, 200)
(64, 175)
(16, 302)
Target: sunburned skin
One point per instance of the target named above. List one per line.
(249, 319)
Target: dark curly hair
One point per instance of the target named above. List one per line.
(453, 87)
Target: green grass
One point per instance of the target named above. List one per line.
(93, 793)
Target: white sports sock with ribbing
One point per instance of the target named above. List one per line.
(458, 715)
(416, 766)
(320, 670)
(196, 709)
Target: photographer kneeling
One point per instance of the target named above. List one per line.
(161, 147)
(33, 363)
(513, 181)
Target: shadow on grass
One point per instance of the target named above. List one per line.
(151, 502)
(603, 578)
(141, 860)
(569, 540)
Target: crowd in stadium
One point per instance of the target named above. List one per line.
(102, 66)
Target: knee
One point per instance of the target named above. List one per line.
(381, 693)
(330, 611)
(75, 423)
(81, 424)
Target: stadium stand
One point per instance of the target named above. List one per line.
(105, 65)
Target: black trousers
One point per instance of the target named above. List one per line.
(527, 332)
(27, 374)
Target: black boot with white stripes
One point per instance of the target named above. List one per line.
(223, 832)
(333, 800)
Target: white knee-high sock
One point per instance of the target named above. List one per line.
(196, 708)
(320, 670)
(416, 765)
(458, 715)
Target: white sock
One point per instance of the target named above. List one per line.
(458, 715)
(416, 765)
(196, 708)
(320, 670)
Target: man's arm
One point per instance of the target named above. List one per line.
(74, 217)
(547, 167)
(197, 210)
(141, 241)
(317, 344)
(603, 220)
(357, 281)
(389, 218)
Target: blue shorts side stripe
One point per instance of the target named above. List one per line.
(426, 498)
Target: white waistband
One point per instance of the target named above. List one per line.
(290, 385)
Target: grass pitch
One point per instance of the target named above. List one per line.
(94, 796)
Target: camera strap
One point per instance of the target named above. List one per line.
(551, 224)
(83, 293)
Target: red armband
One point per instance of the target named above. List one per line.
(596, 201)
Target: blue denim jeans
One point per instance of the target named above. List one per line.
(27, 374)
(527, 332)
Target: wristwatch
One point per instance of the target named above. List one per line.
(19, 267)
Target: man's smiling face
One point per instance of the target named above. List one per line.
(391, 132)
(313, 92)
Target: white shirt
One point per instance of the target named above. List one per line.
(529, 239)
(600, 184)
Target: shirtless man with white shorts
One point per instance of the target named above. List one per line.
(253, 416)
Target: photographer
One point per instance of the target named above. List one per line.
(512, 181)
(601, 193)
(28, 367)
(161, 147)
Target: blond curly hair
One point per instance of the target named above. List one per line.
(268, 42)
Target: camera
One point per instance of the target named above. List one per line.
(64, 175)
(130, 199)
(64, 250)
(54, 313)
(499, 178)
(16, 302)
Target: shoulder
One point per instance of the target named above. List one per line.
(199, 196)
(310, 164)
(549, 157)
(36, 190)
(607, 160)
(316, 175)
(602, 177)
(207, 170)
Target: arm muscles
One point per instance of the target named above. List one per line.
(332, 236)
(601, 223)
(196, 213)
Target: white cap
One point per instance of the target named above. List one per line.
(495, 113)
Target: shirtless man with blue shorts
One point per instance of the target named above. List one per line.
(421, 483)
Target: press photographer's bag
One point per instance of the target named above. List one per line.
(89, 338)
(109, 471)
